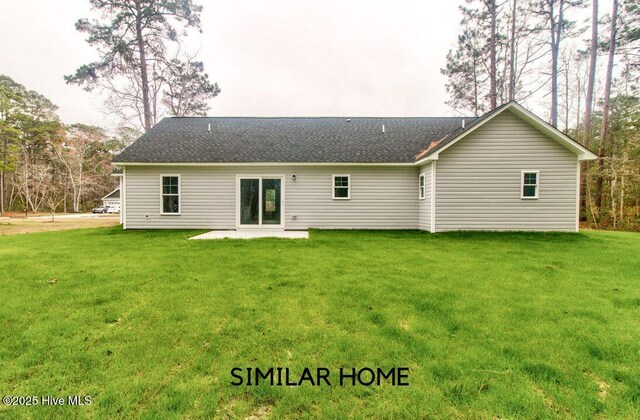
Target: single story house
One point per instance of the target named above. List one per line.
(112, 199)
(507, 170)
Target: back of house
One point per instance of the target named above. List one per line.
(507, 170)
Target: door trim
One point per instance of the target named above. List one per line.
(282, 201)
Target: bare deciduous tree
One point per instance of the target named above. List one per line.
(74, 154)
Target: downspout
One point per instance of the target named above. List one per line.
(123, 199)
(433, 197)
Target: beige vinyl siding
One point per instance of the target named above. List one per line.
(382, 197)
(478, 183)
(424, 205)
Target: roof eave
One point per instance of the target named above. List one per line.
(124, 164)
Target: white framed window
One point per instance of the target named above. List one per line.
(170, 194)
(341, 187)
(422, 187)
(530, 185)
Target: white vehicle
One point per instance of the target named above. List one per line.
(112, 210)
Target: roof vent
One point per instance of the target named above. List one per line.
(209, 128)
(348, 119)
(463, 123)
(383, 132)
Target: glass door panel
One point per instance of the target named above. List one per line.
(249, 201)
(271, 201)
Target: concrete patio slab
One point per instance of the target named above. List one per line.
(254, 234)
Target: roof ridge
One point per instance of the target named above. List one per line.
(310, 118)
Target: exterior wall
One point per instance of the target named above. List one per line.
(478, 180)
(382, 197)
(424, 205)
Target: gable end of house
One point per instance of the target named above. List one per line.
(436, 147)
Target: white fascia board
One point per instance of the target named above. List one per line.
(427, 160)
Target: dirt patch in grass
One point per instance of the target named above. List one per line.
(21, 215)
(11, 226)
(260, 412)
(547, 400)
(603, 386)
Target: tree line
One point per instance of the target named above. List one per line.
(46, 165)
(577, 61)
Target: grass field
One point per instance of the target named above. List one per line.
(491, 325)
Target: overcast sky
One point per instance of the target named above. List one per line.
(270, 58)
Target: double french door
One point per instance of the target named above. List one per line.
(260, 201)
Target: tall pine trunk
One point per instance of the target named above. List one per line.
(493, 95)
(566, 97)
(622, 199)
(588, 110)
(604, 130)
(512, 54)
(475, 86)
(557, 25)
(143, 70)
(2, 191)
(554, 86)
(593, 55)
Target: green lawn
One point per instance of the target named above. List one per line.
(490, 325)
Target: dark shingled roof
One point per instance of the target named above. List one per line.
(310, 140)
